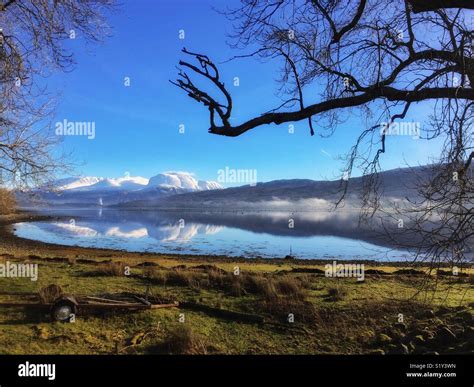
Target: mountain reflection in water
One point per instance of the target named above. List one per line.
(268, 234)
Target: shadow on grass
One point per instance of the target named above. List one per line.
(26, 315)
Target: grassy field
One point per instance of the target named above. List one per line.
(303, 311)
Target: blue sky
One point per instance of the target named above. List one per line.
(137, 126)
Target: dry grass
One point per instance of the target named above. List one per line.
(336, 293)
(266, 286)
(290, 286)
(7, 201)
(318, 326)
(50, 293)
(217, 278)
(256, 284)
(157, 276)
(236, 288)
(111, 269)
(176, 277)
(185, 278)
(182, 340)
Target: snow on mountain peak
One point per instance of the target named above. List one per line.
(183, 180)
(121, 183)
(92, 183)
(166, 180)
(76, 182)
(209, 185)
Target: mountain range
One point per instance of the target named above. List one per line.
(99, 191)
(293, 194)
(181, 190)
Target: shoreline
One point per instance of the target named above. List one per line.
(22, 246)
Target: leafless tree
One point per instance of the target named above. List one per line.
(439, 221)
(32, 46)
(381, 57)
(7, 201)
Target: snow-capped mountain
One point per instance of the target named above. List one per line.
(175, 180)
(181, 180)
(92, 183)
(92, 190)
(289, 195)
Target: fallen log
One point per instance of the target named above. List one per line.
(104, 300)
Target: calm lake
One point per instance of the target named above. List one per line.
(267, 234)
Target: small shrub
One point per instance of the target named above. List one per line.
(217, 279)
(112, 269)
(183, 340)
(255, 283)
(288, 286)
(268, 291)
(50, 293)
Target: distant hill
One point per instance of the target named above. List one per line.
(293, 194)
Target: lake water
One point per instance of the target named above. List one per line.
(320, 235)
